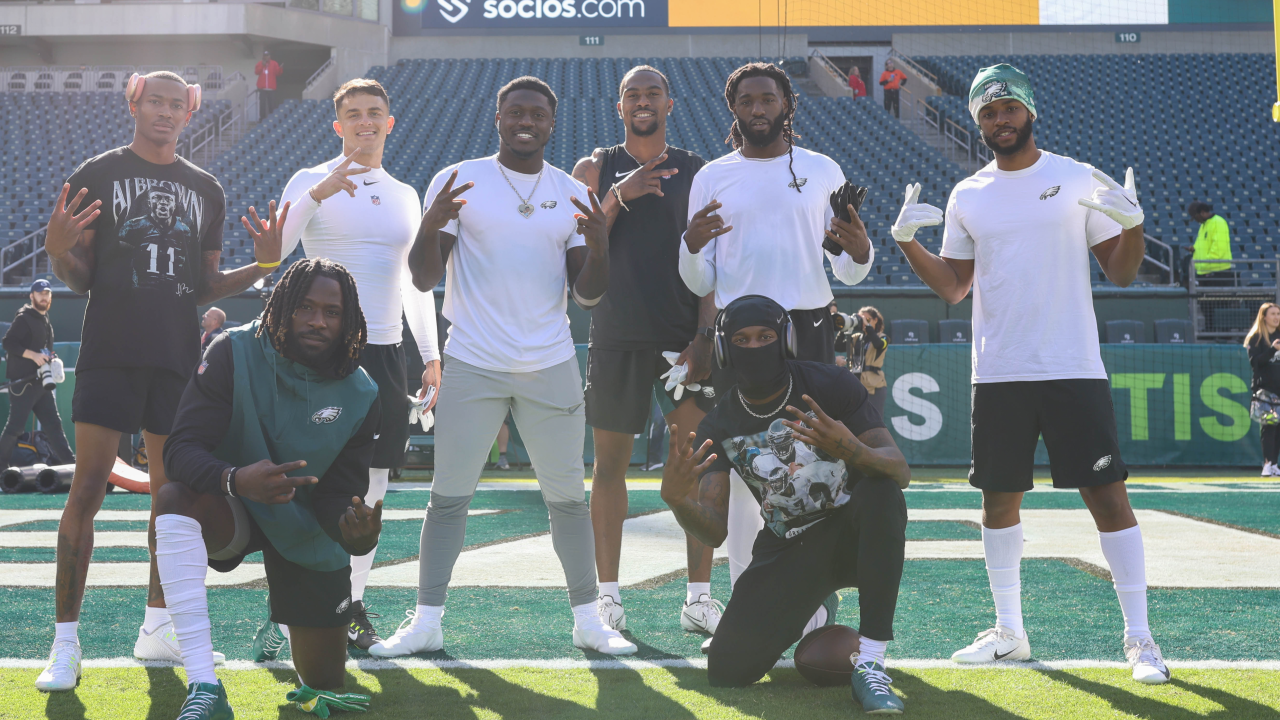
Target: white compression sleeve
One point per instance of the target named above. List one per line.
(420, 312)
(301, 209)
(698, 271)
(849, 272)
(362, 564)
(182, 562)
(1003, 550)
(1127, 557)
(744, 523)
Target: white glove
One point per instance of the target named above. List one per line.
(676, 376)
(914, 215)
(1118, 203)
(419, 413)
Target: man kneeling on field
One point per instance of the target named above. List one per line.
(270, 451)
(829, 488)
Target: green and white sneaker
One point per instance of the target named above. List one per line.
(871, 688)
(206, 701)
(269, 642)
(832, 604)
(63, 669)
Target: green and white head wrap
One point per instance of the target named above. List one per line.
(997, 83)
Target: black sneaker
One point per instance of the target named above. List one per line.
(360, 632)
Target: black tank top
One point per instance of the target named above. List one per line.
(647, 305)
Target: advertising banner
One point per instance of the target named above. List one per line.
(537, 14)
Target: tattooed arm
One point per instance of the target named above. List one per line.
(701, 507)
(873, 453)
(215, 285)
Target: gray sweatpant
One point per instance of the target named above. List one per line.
(547, 407)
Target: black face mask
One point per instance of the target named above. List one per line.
(762, 371)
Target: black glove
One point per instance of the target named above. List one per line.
(844, 196)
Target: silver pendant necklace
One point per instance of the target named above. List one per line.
(524, 208)
(745, 406)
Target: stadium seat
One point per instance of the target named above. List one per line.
(908, 332)
(1173, 330)
(955, 331)
(1125, 332)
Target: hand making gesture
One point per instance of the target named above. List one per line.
(852, 236)
(268, 237)
(645, 180)
(445, 206)
(824, 433)
(684, 466)
(337, 181)
(267, 483)
(65, 226)
(705, 227)
(361, 525)
(592, 225)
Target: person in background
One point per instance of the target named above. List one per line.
(866, 356)
(29, 345)
(856, 85)
(211, 323)
(504, 437)
(1262, 342)
(268, 72)
(892, 80)
(1213, 242)
(842, 340)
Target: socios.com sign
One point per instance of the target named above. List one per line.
(542, 13)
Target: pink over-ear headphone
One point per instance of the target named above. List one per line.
(134, 93)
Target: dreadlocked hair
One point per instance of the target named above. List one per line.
(291, 290)
(778, 75)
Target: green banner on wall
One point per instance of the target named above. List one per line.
(1174, 404)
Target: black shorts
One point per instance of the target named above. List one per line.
(1075, 417)
(128, 399)
(386, 365)
(621, 385)
(815, 342)
(299, 596)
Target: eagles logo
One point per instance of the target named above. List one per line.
(798, 183)
(995, 91)
(326, 416)
(1103, 463)
(548, 204)
(1050, 192)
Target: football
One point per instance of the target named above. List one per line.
(822, 656)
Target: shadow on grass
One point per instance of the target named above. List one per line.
(166, 691)
(1235, 707)
(64, 706)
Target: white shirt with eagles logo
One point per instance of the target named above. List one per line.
(1029, 239)
(506, 284)
(369, 234)
(775, 247)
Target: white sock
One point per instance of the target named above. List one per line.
(693, 591)
(284, 630)
(429, 614)
(586, 617)
(818, 620)
(182, 561)
(362, 564)
(871, 651)
(67, 631)
(1124, 553)
(154, 618)
(1003, 550)
(610, 589)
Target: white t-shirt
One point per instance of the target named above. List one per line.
(775, 247)
(370, 234)
(1029, 239)
(506, 284)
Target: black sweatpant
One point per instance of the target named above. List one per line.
(860, 545)
(23, 399)
(891, 101)
(1271, 443)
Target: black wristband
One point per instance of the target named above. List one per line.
(230, 488)
(707, 332)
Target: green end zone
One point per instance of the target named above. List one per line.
(1214, 564)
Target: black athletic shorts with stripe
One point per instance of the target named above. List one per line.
(621, 385)
(1076, 419)
(386, 365)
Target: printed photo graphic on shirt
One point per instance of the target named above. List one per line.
(159, 223)
(796, 484)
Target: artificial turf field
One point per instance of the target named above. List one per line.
(1213, 548)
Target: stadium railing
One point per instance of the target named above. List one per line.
(1225, 312)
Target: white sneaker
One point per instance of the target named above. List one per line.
(995, 645)
(611, 613)
(1147, 662)
(706, 646)
(63, 670)
(601, 638)
(702, 616)
(413, 636)
(1270, 470)
(162, 644)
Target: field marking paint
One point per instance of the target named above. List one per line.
(18, 517)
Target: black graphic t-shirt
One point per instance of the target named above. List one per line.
(796, 485)
(156, 223)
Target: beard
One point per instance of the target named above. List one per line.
(41, 305)
(762, 138)
(1022, 137)
(304, 355)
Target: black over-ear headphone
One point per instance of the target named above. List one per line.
(721, 343)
